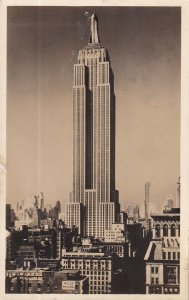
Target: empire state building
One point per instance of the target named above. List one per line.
(93, 205)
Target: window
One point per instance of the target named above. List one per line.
(169, 255)
(165, 230)
(154, 280)
(154, 270)
(173, 230)
(157, 230)
(174, 255)
(155, 290)
(164, 255)
(170, 275)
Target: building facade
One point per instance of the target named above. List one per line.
(116, 234)
(93, 140)
(163, 254)
(94, 263)
(39, 281)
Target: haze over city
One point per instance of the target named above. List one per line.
(43, 44)
(69, 232)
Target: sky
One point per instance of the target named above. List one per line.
(144, 48)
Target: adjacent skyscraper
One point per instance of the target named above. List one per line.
(94, 203)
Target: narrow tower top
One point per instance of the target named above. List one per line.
(94, 38)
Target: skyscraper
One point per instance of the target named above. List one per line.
(147, 199)
(94, 203)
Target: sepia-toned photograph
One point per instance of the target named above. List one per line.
(93, 135)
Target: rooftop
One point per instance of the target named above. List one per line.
(172, 212)
(154, 251)
(173, 242)
(155, 248)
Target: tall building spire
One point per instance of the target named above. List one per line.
(94, 38)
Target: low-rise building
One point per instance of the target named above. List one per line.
(70, 282)
(46, 281)
(53, 264)
(120, 249)
(94, 263)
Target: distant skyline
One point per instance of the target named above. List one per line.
(144, 47)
